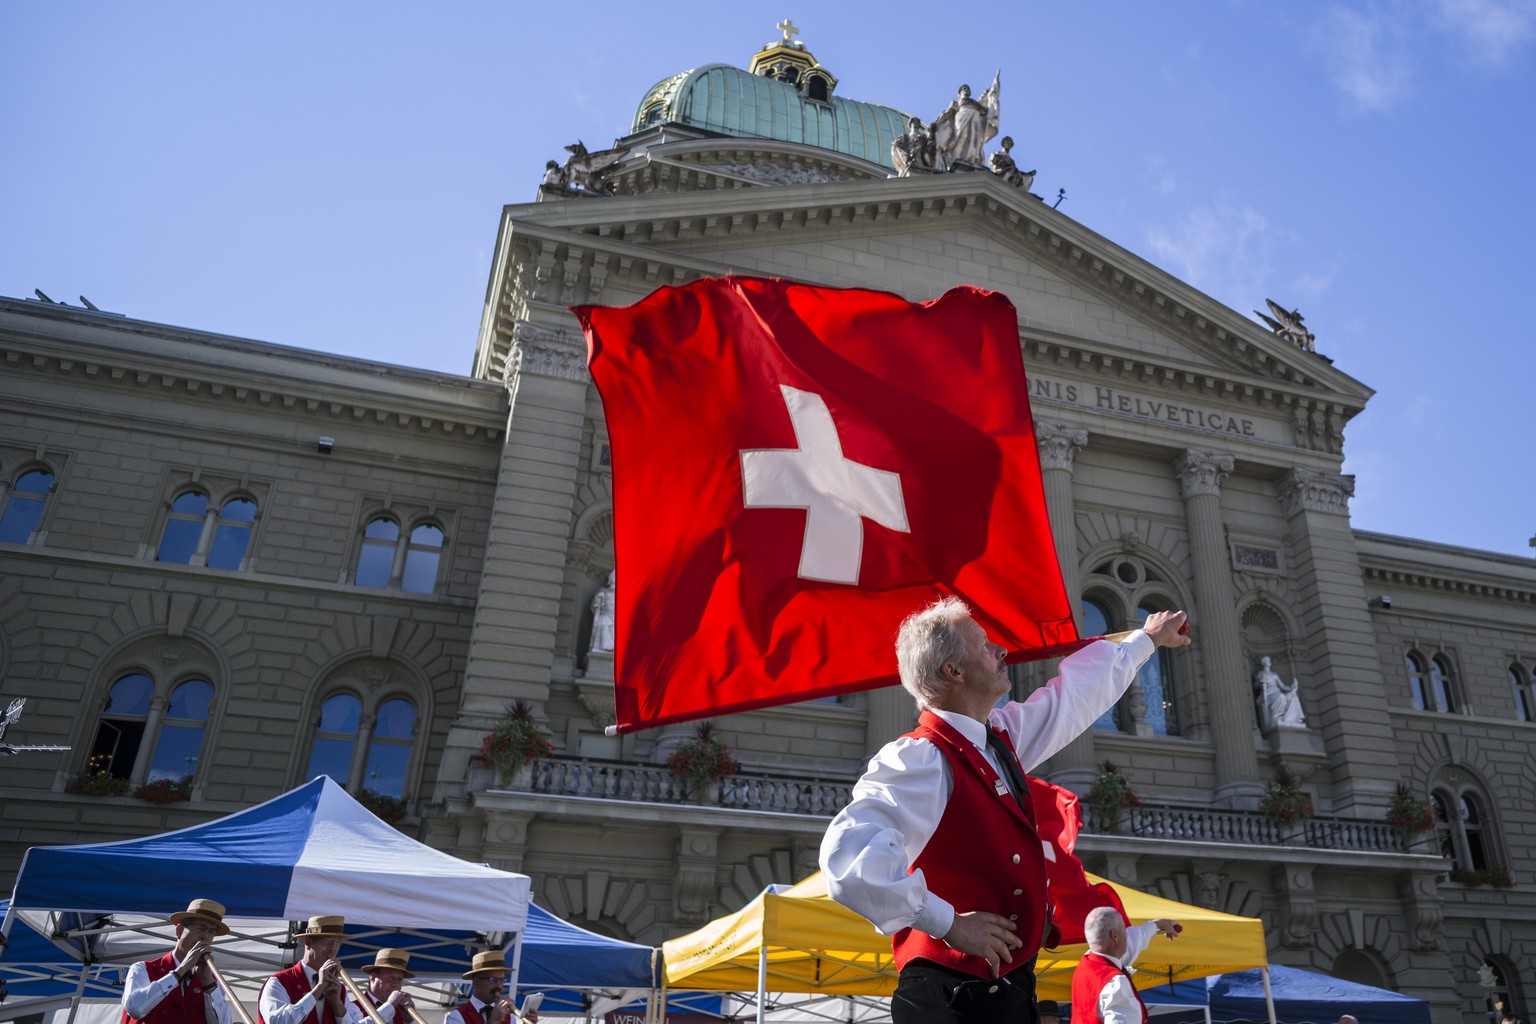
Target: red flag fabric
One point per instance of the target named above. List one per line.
(795, 470)
(1058, 820)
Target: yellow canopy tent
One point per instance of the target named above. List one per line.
(800, 941)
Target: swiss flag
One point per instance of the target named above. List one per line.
(795, 470)
(1058, 820)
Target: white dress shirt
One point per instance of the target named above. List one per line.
(140, 995)
(896, 806)
(276, 1009)
(1117, 1000)
(455, 1017)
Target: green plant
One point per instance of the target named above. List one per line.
(166, 791)
(1110, 796)
(1284, 800)
(388, 809)
(1409, 815)
(94, 780)
(516, 741)
(1472, 878)
(703, 759)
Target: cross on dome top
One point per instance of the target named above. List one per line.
(788, 28)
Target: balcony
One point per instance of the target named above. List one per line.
(1250, 828)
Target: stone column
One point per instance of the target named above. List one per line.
(511, 644)
(1337, 631)
(1200, 474)
(1072, 766)
(140, 772)
(892, 712)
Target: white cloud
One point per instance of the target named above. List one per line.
(1223, 251)
(1492, 29)
(1368, 54)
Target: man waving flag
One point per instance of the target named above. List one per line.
(796, 469)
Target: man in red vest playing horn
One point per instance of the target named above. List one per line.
(311, 992)
(178, 988)
(1102, 989)
(938, 847)
(386, 980)
(486, 1005)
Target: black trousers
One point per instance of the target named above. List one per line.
(929, 993)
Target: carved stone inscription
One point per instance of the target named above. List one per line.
(1145, 406)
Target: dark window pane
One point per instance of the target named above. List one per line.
(240, 510)
(340, 714)
(382, 529)
(20, 518)
(385, 773)
(176, 753)
(396, 720)
(1095, 618)
(116, 748)
(1522, 695)
(130, 696)
(190, 700)
(420, 576)
(374, 563)
(1157, 686)
(193, 503)
(229, 544)
(179, 540)
(331, 757)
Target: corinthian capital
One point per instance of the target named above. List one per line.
(1200, 471)
(1059, 444)
(546, 352)
(1311, 491)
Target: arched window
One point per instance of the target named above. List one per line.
(181, 732)
(1521, 690)
(1418, 680)
(1500, 997)
(23, 503)
(365, 746)
(390, 558)
(335, 738)
(183, 528)
(1467, 834)
(232, 534)
(1158, 685)
(120, 733)
(1440, 683)
(422, 556)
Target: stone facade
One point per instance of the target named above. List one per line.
(1191, 460)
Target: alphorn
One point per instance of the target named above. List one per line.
(229, 993)
(362, 999)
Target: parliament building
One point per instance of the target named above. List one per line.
(227, 566)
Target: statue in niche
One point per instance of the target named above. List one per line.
(1278, 702)
(913, 151)
(962, 132)
(1004, 167)
(1287, 324)
(602, 618)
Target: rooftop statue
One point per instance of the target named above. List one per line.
(1287, 324)
(1004, 167)
(584, 170)
(962, 132)
(914, 151)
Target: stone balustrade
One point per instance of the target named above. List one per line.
(1249, 828)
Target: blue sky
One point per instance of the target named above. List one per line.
(330, 175)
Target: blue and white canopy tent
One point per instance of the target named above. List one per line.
(314, 850)
(1300, 997)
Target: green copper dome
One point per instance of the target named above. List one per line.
(730, 101)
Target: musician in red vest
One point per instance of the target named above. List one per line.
(178, 988)
(1102, 989)
(486, 1005)
(934, 848)
(311, 992)
(386, 981)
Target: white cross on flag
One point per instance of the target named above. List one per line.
(795, 470)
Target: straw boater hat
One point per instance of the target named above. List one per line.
(492, 961)
(391, 960)
(211, 911)
(323, 927)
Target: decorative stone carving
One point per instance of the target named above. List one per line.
(1297, 899)
(603, 611)
(1278, 704)
(595, 691)
(1309, 490)
(961, 133)
(1287, 324)
(694, 886)
(1201, 472)
(1059, 444)
(1004, 167)
(769, 174)
(546, 352)
(914, 151)
(584, 170)
(1208, 889)
(1426, 914)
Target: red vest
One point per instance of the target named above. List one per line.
(469, 1013)
(1093, 972)
(985, 855)
(296, 983)
(176, 1007)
